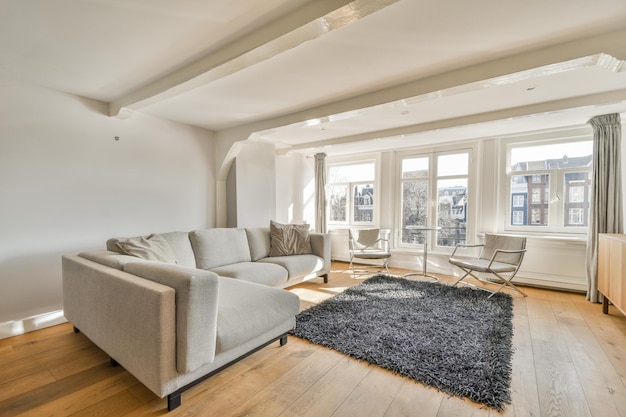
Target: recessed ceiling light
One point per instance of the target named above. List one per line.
(312, 122)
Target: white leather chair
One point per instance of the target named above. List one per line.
(369, 244)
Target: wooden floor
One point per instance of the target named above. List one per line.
(569, 360)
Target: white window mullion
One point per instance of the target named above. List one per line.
(557, 203)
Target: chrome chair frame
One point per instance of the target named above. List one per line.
(504, 271)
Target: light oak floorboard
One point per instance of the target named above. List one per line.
(415, 399)
(372, 396)
(324, 396)
(569, 360)
(604, 391)
(525, 398)
(560, 389)
(275, 397)
(26, 383)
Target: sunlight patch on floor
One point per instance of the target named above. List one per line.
(318, 294)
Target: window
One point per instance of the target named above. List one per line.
(434, 191)
(518, 217)
(519, 200)
(549, 185)
(351, 193)
(576, 216)
(577, 188)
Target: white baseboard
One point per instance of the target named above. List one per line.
(29, 324)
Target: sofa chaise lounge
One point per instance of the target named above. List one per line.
(174, 323)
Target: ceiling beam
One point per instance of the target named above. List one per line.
(611, 43)
(590, 100)
(309, 22)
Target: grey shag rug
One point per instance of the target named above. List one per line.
(451, 338)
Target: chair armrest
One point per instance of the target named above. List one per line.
(510, 250)
(505, 251)
(465, 246)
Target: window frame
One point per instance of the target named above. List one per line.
(354, 160)
(557, 193)
(432, 198)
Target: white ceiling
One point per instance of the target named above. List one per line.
(326, 75)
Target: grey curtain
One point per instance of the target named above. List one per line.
(320, 192)
(606, 192)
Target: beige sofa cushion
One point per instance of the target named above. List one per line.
(181, 246)
(297, 265)
(259, 242)
(219, 246)
(240, 301)
(258, 272)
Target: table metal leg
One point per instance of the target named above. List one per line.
(424, 265)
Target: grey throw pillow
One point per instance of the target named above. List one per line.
(289, 239)
(152, 248)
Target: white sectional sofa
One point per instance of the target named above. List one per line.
(215, 299)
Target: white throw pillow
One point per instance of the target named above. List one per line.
(152, 248)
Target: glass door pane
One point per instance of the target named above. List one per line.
(452, 211)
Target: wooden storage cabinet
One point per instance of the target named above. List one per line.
(612, 270)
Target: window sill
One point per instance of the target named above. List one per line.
(581, 240)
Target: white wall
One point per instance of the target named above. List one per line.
(295, 189)
(262, 186)
(255, 185)
(66, 185)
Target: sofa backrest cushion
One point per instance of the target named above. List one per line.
(196, 309)
(112, 259)
(181, 246)
(178, 242)
(219, 246)
(259, 242)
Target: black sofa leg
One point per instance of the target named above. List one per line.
(173, 401)
(325, 278)
(76, 330)
(114, 363)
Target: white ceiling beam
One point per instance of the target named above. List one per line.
(306, 23)
(590, 100)
(611, 43)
